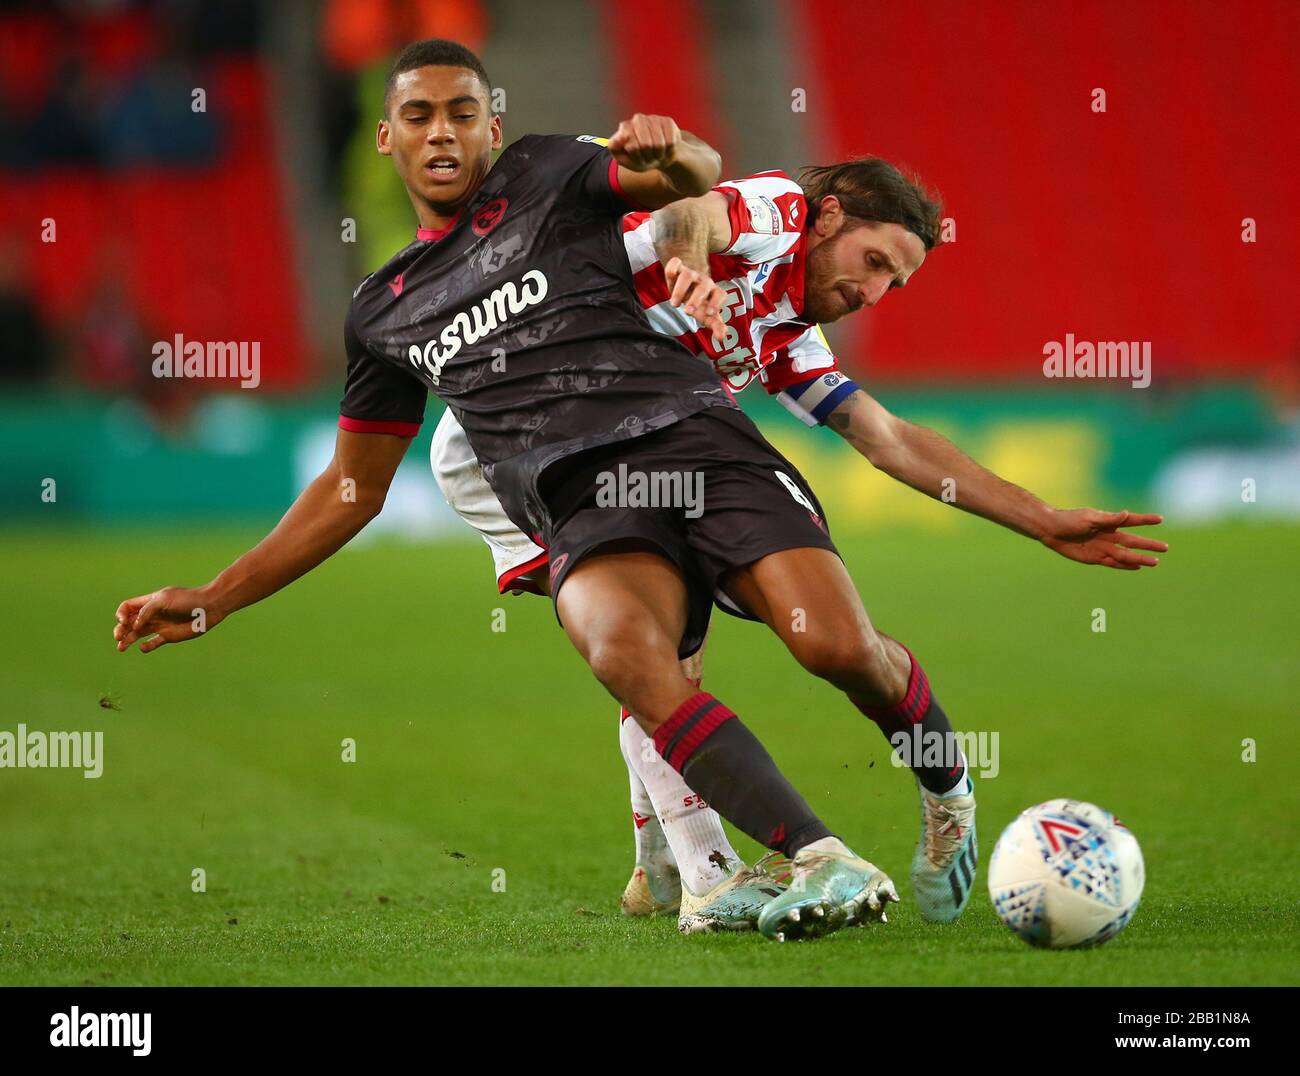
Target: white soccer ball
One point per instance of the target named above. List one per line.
(1066, 875)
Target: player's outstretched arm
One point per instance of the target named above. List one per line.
(346, 496)
(931, 463)
(659, 163)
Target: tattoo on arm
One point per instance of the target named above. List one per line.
(671, 225)
(840, 421)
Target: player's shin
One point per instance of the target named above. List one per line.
(723, 761)
(830, 885)
(944, 864)
(920, 731)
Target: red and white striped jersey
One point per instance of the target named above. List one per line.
(762, 273)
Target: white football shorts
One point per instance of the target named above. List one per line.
(516, 556)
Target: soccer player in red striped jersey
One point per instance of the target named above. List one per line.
(743, 276)
(760, 277)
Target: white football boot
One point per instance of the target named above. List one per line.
(943, 867)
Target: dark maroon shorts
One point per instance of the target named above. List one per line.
(707, 492)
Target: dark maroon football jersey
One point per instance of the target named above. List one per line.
(522, 316)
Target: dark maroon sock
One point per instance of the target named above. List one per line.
(921, 731)
(724, 762)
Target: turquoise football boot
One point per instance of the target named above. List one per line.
(943, 868)
(830, 887)
(734, 904)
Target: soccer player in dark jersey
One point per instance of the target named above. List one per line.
(515, 306)
(774, 249)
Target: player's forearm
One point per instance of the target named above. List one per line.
(927, 461)
(321, 521)
(696, 168)
(682, 231)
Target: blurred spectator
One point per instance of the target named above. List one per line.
(149, 118)
(26, 348)
(111, 81)
(358, 33)
(63, 129)
(110, 347)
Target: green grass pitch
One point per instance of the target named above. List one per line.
(482, 751)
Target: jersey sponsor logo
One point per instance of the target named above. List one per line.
(764, 271)
(489, 216)
(764, 217)
(468, 327)
(737, 368)
(739, 379)
(594, 138)
(396, 284)
(737, 302)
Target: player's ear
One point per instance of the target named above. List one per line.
(830, 217)
(381, 139)
(495, 125)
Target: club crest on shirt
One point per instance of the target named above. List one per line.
(763, 215)
(489, 216)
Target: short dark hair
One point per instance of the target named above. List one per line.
(435, 52)
(872, 190)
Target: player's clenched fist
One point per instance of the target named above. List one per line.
(170, 615)
(646, 142)
(698, 296)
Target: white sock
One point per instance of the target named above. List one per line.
(652, 851)
(964, 787)
(692, 829)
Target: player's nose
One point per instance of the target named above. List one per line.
(440, 131)
(873, 291)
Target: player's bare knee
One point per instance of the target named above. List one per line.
(614, 665)
(627, 663)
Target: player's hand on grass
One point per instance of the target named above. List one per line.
(645, 143)
(698, 296)
(170, 615)
(1091, 536)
